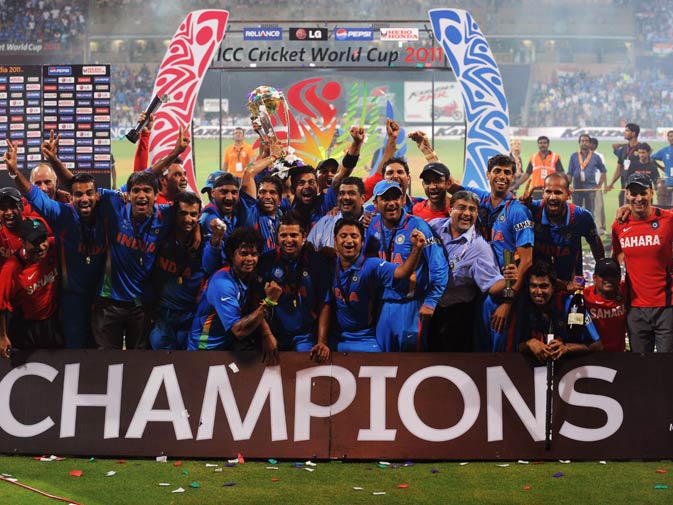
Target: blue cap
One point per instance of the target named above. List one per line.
(211, 179)
(383, 186)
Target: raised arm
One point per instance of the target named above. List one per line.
(351, 157)
(251, 171)
(21, 182)
(181, 143)
(49, 152)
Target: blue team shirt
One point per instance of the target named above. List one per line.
(131, 249)
(507, 226)
(305, 282)
(561, 245)
(356, 293)
(322, 205)
(395, 246)
(178, 275)
(665, 154)
(75, 241)
(224, 299)
(266, 225)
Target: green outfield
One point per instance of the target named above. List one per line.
(137, 482)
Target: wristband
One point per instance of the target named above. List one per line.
(349, 161)
(269, 302)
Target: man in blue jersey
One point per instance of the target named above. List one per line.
(227, 317)
(210, 180)
(226, 205)
(508, 226)
(357, 285)
(304, 276)
(134, 230)
(350, 201)
(80, 242)
(544, 314)
(559, 228)
(410, 303)
(177, 276)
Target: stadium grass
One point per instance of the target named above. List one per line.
(137, 482)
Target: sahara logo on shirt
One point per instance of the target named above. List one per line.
(639, 241)
(48, 278)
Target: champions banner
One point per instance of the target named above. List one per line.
(358, 406)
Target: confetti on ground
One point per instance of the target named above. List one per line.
(195, 485)
(211, 465)
(310, 463)
(310, 469)
(522, 462)
(110, 473)
(5, 474)
(240, 458)
(38, 458)
(358, 488)
(603, 462)
(526, 488)
(434, 470)
(464, 463)
(218, 470)
(378, 493)
(272, 468)
(121, 461)
(92, 460)
(382, 466)
(229, 465)
(177, 463)
(228, 484)
(185, 472)
(164, 484)
(564, 461)
(298, 465)
(50, 458)
(384, 463)
(272, 461)
(11, 479)
(75, 473)
(660, 470)
(503, 465)
(233, 367)
(409, 463)
(162, 459)
(275, 479)
(402, 486)
(660, 486)
(178, 490)
(558, 474)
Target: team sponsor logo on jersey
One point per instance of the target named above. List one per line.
(640, 241)
(523, 225)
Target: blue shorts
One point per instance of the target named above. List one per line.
(171, 329)
(298, 343)
(358, 341)
(76, 309)
(397, 329)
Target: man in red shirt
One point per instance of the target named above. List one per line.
(436, 179)
(643, 242)
(28, 293)
(606, 303)
(11, 215)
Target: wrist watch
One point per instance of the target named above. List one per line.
(508, 294)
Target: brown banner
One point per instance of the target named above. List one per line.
(360, 406)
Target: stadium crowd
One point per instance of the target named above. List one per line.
(292, 257)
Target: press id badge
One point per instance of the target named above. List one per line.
(583, 176)
(239, 167)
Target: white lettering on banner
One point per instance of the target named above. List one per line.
(111, 400)
(8, 422)
(611, 407)
(305, 409)
(412, 421)
(377, 403)
(498, 384)
(218, 386)
(161, 375)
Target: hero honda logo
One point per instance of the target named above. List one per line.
(353, 34)
(265, 33)
(308, 34)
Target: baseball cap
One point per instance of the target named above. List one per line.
(641, 179)
(10, 193)
(383, 186)
(33, 230)
(607, 266)
(437, 168)
(211, 179)
(326, 163)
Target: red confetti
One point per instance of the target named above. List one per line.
(275, 479)
(402, 486)
(177, 463)
(526, 488)
(121, 461)
(240, 458)
(660, 470)
(75, 473)
(38, 458)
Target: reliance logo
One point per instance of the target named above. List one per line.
(266, 33)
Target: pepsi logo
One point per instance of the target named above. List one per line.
(341, 34)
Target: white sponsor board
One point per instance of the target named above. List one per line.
(418, 102)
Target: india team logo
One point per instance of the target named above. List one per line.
(399, 239)
(278, 273)
(655, 225)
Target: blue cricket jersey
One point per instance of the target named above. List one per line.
(132, 247)
(431, 276)
(81, 246)
(266, 225)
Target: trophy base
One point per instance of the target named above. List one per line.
(133, 136)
